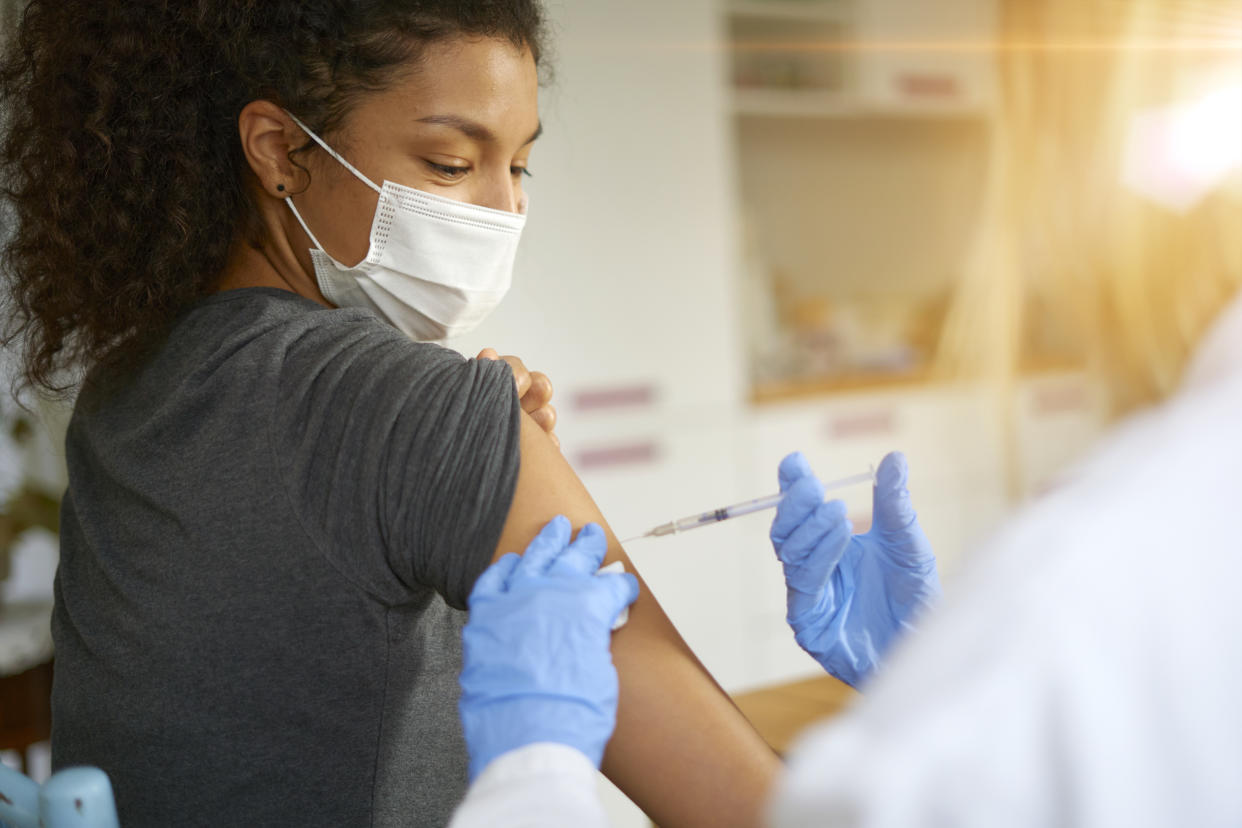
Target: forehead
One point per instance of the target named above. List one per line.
(486, 80)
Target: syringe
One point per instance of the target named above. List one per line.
(745, 508)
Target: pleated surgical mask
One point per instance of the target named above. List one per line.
(435, 267)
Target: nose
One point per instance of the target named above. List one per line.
(499, 193)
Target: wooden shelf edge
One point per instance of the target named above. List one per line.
(758, 102)
(796, 389)
(810, 387)
(782, 712)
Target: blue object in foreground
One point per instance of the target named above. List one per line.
(537, 662)
(72, 798)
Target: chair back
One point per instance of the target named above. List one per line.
(72, 798)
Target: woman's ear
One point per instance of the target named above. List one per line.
(268, 135)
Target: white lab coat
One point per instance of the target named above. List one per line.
(1085, 670)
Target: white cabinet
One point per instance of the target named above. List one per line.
(1057, 417)
(951, 436)
(932, 57)
(647, 470)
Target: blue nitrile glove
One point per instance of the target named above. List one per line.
(537, 658)
(851, 596)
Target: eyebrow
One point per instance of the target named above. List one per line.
(472, 129)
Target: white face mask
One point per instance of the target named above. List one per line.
(436, 267)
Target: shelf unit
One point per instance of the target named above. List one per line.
(794, 103)
(801, 11)
(849, 116)
(858, 58)
(786, 60)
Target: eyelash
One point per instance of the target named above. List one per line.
(456, 172)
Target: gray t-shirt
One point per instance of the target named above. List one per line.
(267, 529)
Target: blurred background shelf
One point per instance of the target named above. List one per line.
(794, 10)
(1031, 370)
(761, 102)
(794, 103)
(811, 387)
(858, 132)
(863, 58)
(783, 712)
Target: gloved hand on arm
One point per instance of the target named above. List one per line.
(537, 648)
(850, 597)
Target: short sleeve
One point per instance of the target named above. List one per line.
(401, 458)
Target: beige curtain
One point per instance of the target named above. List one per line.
(1137, 281)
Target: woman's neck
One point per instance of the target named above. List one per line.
(266, 267)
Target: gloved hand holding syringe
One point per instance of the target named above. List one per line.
(745, 508)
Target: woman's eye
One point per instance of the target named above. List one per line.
(447, 170)
(516, 172)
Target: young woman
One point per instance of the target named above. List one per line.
(238, 221)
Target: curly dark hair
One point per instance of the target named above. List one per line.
(120, 154)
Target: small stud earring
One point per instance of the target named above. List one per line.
(280, 188)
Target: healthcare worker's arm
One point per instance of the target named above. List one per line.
(682, 751)
(539, 690)
(543, 785)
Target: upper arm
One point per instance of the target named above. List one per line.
(681, 750)
(546, 487)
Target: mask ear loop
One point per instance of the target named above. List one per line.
(342, 161)
(298, 216)
(334, 154)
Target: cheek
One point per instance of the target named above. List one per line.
(340, 216)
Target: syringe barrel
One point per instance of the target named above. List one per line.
(738, 509)
(695, 521)
(756, 505)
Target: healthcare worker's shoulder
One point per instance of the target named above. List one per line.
(1146, 509)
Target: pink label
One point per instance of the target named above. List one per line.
(628, 454)
(1061, 399)
(863, 424)
(929, 86)
(626, 396)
